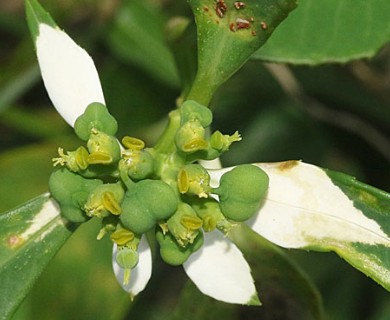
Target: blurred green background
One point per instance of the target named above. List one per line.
(339, 119)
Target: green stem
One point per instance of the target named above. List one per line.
(201, 91)
(166, 143)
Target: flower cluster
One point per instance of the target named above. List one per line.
(163, 190)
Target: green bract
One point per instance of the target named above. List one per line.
(241, 190)
(96, 116)
(191, 110)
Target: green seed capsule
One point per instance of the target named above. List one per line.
(71, 191)
(241, 190)
(126, 258)
(191, 110)
(95, 116)
(146, 203)
(138, 164)
(174, 254)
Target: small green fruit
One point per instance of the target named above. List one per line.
(174, 254)
(241, 190)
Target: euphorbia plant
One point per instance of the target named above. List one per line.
(176, 192)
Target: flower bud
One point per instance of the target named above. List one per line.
(241, 190)
(174, 254)
(95, 116)
(71, 191)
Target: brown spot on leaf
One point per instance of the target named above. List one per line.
(14, 241)
(287, 165)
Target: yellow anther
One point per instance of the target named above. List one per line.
(98, 157)
(122, 236)
(110, 203)
(133, 143)
(191, 222)
(195, 145)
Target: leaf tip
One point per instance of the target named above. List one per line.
(37, 15)
(254, 301)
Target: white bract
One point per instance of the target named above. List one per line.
(295, 213)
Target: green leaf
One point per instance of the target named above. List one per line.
(324, 31)
(372, 259)
(35, 16)
(311, 208)
(30, 236)
(228, 36)
(81, 277)
(136, 36)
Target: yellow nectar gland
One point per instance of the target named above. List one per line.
(133, 143)
(99, 157)
(209, 223)
(182, 181)
(191, 222)
(122, 236)
(110, 203)
(195, 145)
